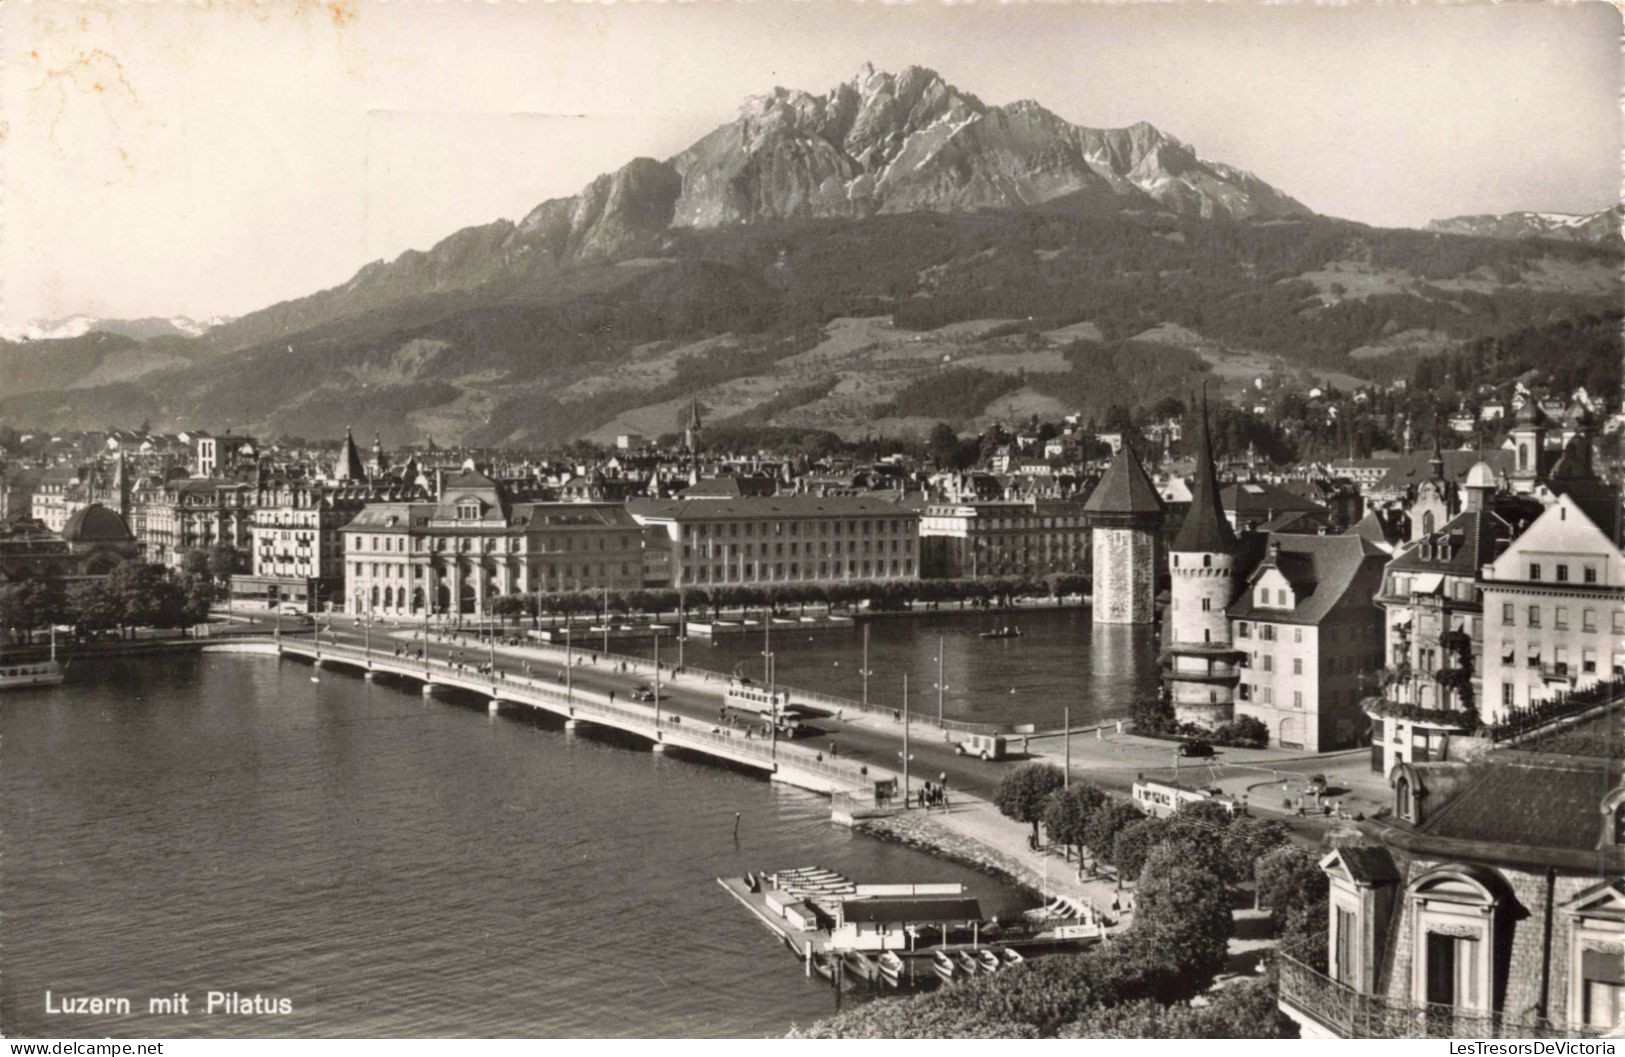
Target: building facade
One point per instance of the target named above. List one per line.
(1311, 636)
(1554, 608)
(1033, 538)
(785, 539)
(453, 557)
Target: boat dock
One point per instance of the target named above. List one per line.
(893, 936)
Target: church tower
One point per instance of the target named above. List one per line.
(349, 467)
(1528, 446)
(691, 432)
(1201, 670)
(378, 463)
(1124, 514)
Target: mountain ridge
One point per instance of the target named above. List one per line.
(1601, 228)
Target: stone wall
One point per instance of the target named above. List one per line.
(1124, 575)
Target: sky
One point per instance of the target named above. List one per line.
(168, 158)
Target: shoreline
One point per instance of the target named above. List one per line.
(926, 835)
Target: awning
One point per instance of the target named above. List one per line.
(1426, 583)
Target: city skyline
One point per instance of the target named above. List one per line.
(139, 113)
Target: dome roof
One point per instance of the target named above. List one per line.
(1481, 476)
(96, 523)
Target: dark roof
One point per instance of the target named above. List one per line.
(731, 487)
(1369, 865)
(1531, 799)
(1250, 500)
(96, 523)
(1468, 541)
(1417, 466)
(1205, 528)
(1322, 571)
(1126, 488)
(889, 909)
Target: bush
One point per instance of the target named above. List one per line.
(1182, 911)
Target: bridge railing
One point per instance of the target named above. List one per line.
(583, 703)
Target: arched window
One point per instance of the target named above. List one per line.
(1427, 523)
(1402, 799)
(1523, 456)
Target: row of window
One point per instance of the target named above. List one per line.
(727, 551)
(871, 526)
(1560, 618)
(755, 573)
(1588, 572)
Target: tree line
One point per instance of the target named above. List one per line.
(135, 594)
(877, 594)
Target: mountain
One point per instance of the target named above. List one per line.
(1600, 228)
(136, 329)
(809, 262)
(880, 143)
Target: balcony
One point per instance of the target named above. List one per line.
(1308, 994)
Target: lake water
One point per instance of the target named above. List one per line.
(1060, 661)
(395, 865)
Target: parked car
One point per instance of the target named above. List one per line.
(644, 693)
(1197, 748)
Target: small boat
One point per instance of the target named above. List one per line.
(988, 960)
(944, 966)
(1011, 956)
(891, 967)
(966, 962)
(1002, 633)
(20, 676)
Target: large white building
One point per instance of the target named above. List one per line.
(785, 539)
(1554, 612)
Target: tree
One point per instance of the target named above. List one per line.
(26, 605)
(1246, 1009)
(1134, 842)
(1247, 840)
(1022, 792)
(195, 562)
(1067, 812)
(1182, 910)
(1105, 823)
(223, 559)
(1290, 882)
(93, 606)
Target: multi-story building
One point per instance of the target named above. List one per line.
(1434, 629)
(51, 498)
(298, 548)
(17, 484)
(457, 554)
(1306, 622)
(1032, 538)
(195, 513)
(785, 539)
(1490, 903)
(1125, 517)
(1554, 608)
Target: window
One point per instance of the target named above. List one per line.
(1562, 572)
(1507, 619)
(1269, 663)
(1588, 620)
(1506, 695)
(1590, 574)
(1534, 570)
(1207, 605)
(1619, 622)
(1602, 977)
(1297, 666)
(1534, 616)
(1244, 630)
(1297, 699)
(1452, 970)
(1297, 634)
(1345, 969)
(1560, 619)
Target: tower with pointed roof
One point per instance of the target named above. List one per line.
(1124, 514)
(349, 467)
(691, 432)
(379, 462)
(1528, 446)
(1202, 666)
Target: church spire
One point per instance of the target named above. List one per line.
(349, 467)
(1205, 529)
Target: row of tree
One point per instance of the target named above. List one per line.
(877, 594)
(136, 594)
(1141, 983)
